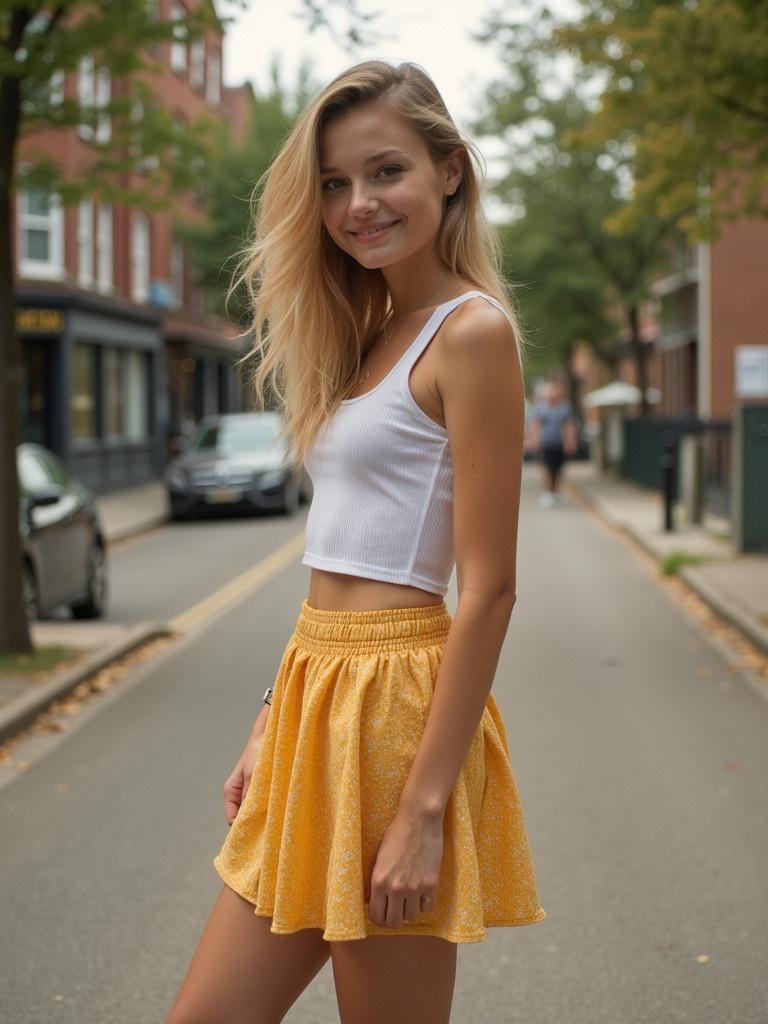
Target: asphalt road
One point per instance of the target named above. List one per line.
(641, 759)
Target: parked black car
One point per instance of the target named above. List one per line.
(63, 543)
(233, 462)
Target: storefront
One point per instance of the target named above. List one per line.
(95, 389)
(202, 376)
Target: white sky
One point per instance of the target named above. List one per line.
(432, 33)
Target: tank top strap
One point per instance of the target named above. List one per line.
(430, 328)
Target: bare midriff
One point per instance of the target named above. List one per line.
(338, 591)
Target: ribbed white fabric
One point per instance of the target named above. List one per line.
(382, 478)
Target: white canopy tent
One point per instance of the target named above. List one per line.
(617, 393)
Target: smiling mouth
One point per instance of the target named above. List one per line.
(374, 230)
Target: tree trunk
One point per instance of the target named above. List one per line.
(638, 354)
(14, 629)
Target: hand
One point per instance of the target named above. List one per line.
(236, 786)
(406, 867)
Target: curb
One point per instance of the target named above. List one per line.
(690, 576)
(131, 529)
(23, 712)
(755, 633)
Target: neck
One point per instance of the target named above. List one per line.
(415, 286)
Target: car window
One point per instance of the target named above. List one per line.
(34, 473)
(227, 437)
(56, 472)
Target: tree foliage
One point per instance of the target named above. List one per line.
(562, 188)
(685, 91)
(215, 245)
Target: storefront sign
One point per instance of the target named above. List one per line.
(752, 371)
(40, 321)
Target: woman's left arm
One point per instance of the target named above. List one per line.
(481, 385)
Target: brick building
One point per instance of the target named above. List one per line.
(713, 318)
(119, 355)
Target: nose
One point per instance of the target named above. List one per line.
(361, 201)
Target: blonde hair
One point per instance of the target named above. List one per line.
(315, 309)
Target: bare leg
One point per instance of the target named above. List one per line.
(241, 972)
(381, 979)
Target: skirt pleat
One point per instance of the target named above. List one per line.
(350, 702)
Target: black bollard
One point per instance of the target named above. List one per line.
(668, 473)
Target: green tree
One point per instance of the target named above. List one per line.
(686, 90)
(563, 189)
(38, 43)
(215, 245)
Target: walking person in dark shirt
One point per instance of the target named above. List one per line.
(553, 438)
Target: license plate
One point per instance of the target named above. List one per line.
(222, 495)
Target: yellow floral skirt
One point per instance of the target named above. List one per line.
(350, 703)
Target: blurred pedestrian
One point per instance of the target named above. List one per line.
(554, 438)
(374, 817)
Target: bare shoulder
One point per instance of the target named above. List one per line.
(476, 336)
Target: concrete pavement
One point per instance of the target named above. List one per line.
(734, 585)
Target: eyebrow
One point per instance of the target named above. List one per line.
(368, 160)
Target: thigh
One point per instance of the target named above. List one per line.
(382, 978)
(242, 972)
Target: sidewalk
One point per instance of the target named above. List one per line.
(734, 585)
(123, 514)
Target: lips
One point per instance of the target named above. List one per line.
(373, 229)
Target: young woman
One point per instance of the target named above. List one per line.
(374, 815)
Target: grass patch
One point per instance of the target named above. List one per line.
(41, 659)
(672, 562)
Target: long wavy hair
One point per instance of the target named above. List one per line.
(315, 309)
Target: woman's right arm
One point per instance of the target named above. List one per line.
(237, 784)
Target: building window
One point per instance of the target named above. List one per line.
(41, 234)
(86, 92)
(114, 404)
(103, 99)
(136, 385)
(85, 243)
(83, 400)
(94, 91)
(178, 43)
(104, 248)
(140, 257)
(177, 272)
(213, 78)
(125, 390)
(197, 63)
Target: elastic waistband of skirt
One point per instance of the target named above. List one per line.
(326, 630)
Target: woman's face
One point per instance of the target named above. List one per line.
(382, 194)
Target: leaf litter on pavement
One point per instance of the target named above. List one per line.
(54, 719)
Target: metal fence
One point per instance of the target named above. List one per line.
(716, 444)
(644, 440)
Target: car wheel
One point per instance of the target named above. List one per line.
(94, 605)
(30, 593)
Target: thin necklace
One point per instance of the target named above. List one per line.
(364, 377)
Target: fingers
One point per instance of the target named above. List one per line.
(394, 908)
(233, 794)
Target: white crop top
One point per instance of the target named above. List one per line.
(382, 478)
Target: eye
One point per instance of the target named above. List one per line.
(331, 184)
(389, 170)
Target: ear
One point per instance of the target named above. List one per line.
(453, 171)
